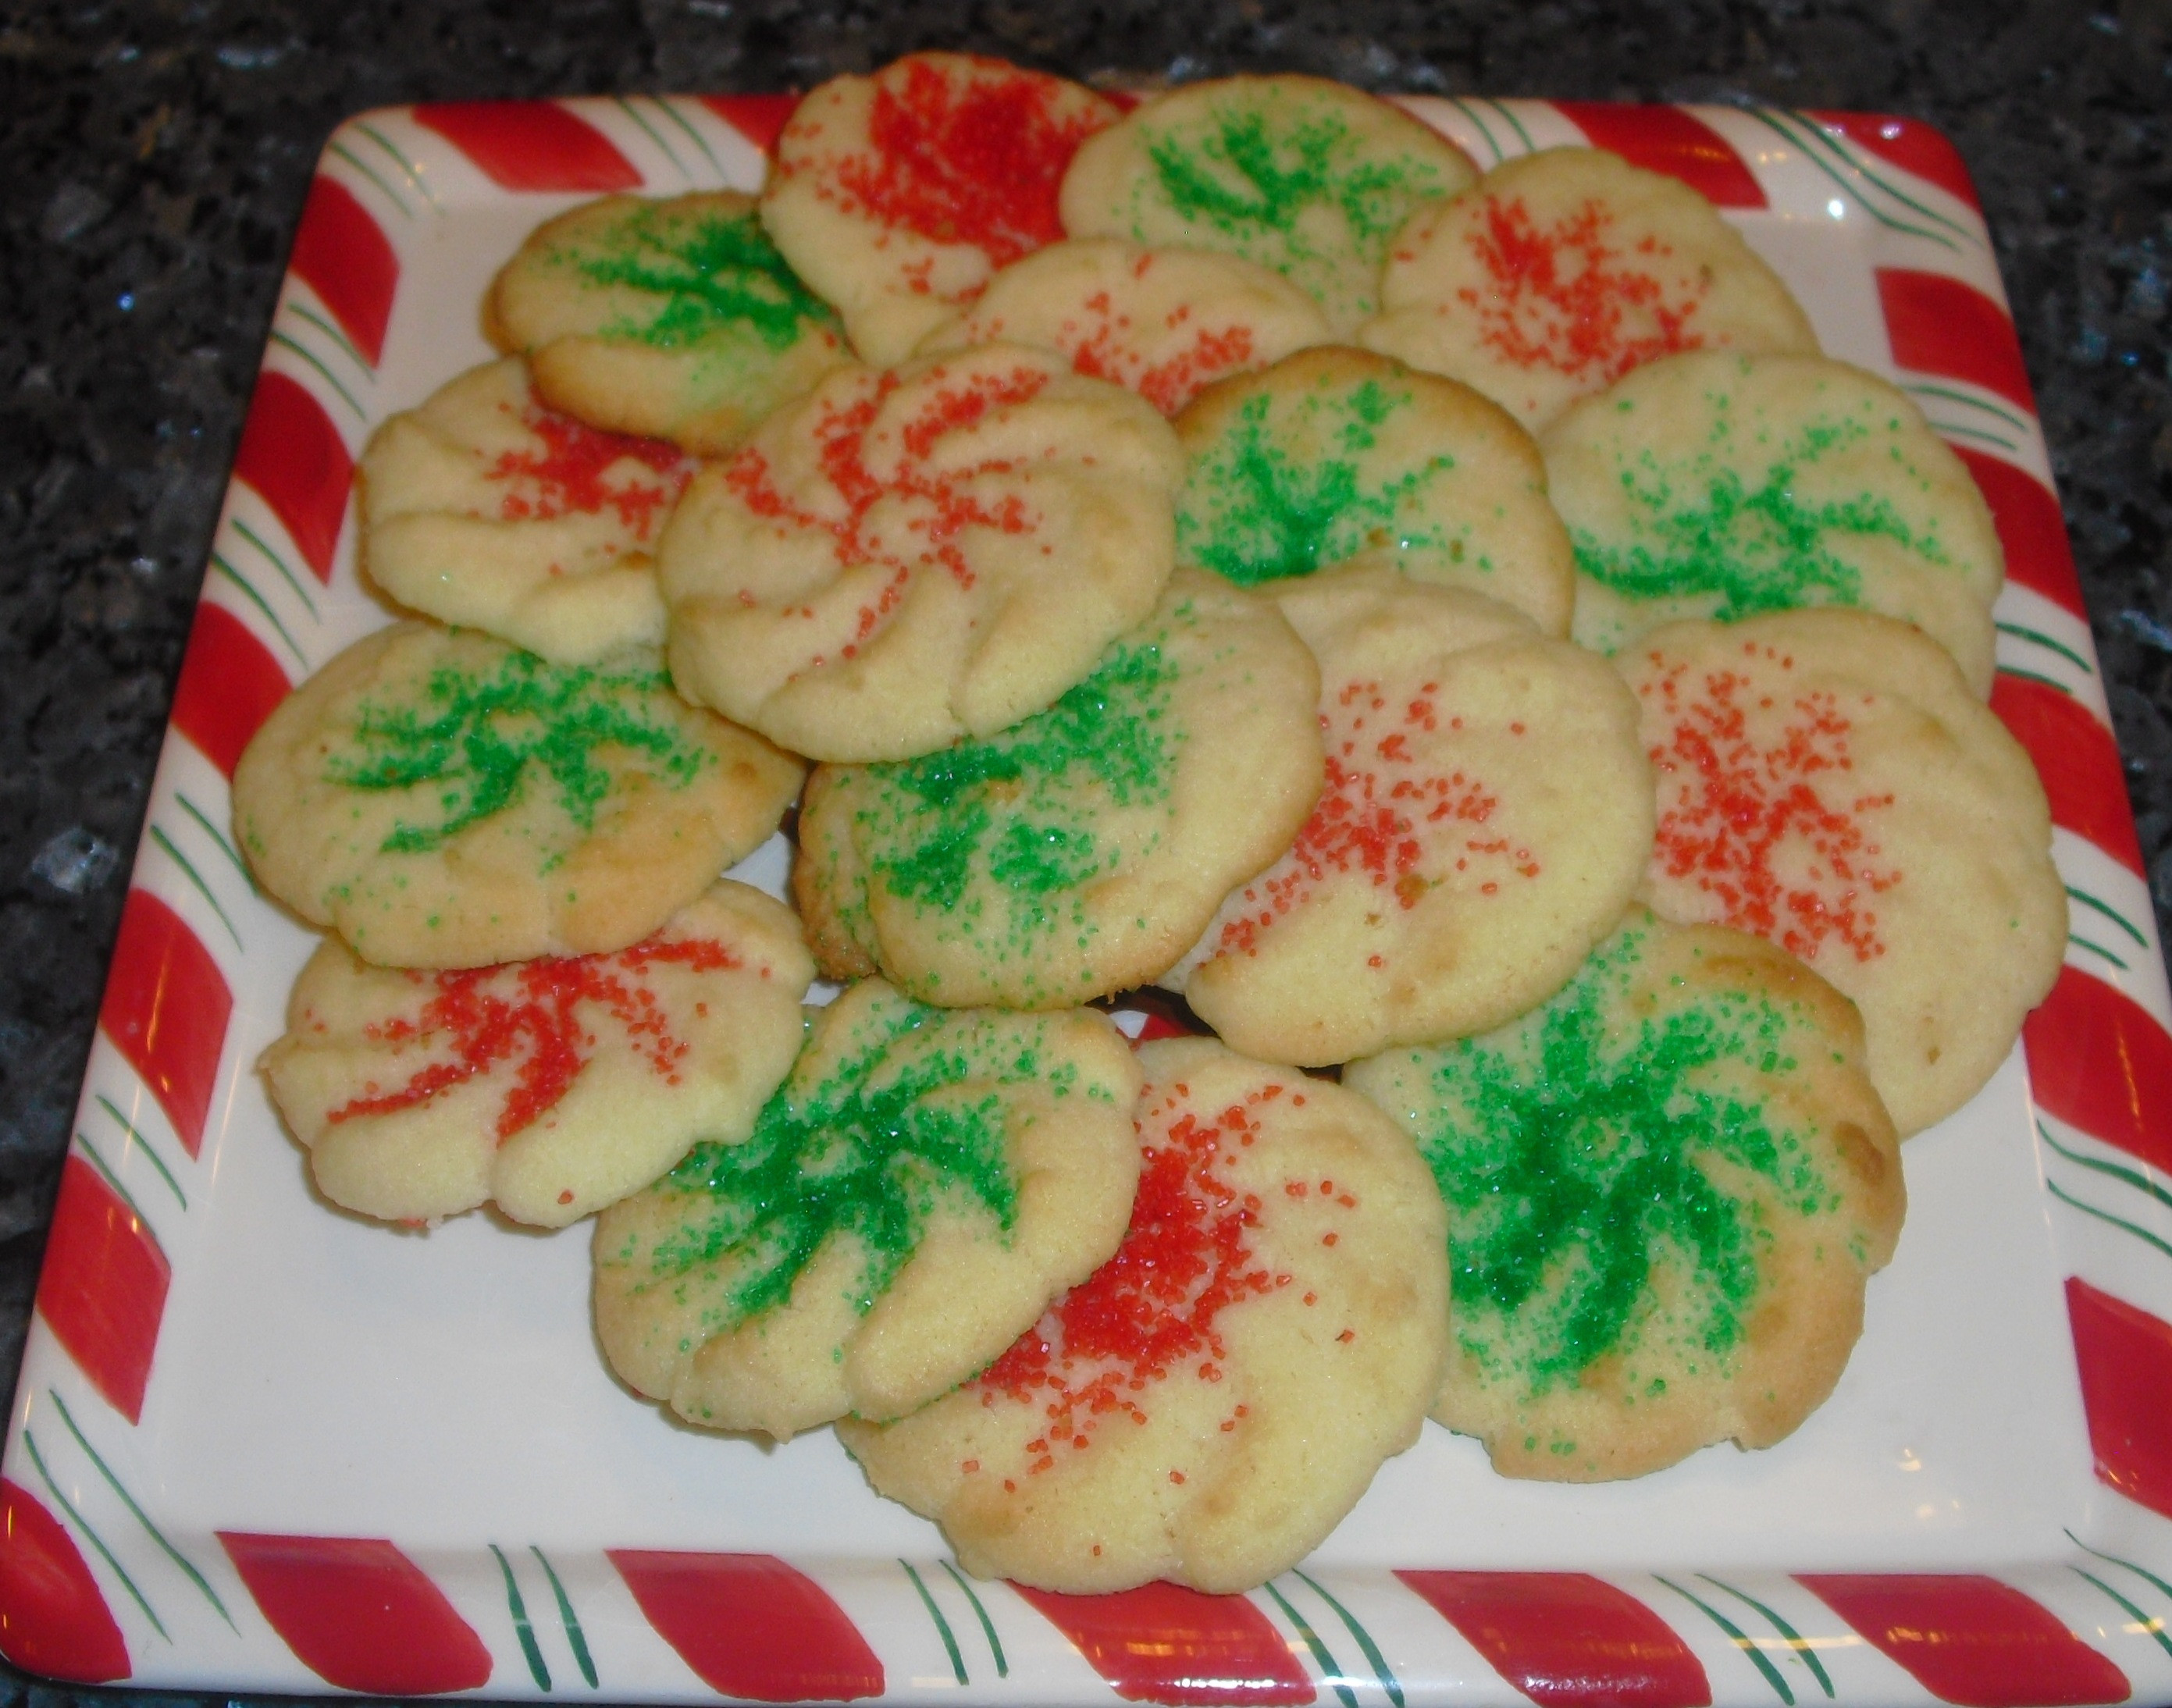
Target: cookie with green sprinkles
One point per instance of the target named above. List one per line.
(488, 510)
(549, 1087)
(924, 1183)
(1487, 816)
(674, 318)
(1718, 484)
(1335, 454)
(1208, 1404)
(897, 195)
(1828, 780)
(1667, 1187)
(1308, 178)
(441, 799)
(1558, 272)
(1080, 851)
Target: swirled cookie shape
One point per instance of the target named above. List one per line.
(1206, 1406)
(1081, 852)
(1165, 322)
(1487, 816)
(1307, 178)
(1337, 454)
(550, 1088)
(674, 318)
(1720, 486)
(907, 557)
(1666, 1188)
(1827, 781)
(897, 195)
(445, 800)
(485, 509)
(924, 1183)
(1557, 273)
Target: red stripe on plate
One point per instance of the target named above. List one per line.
(359, 1614)
(1909, 144)
(750, 1625)
(230, 684)
(1563, 1638)
(165, 1009)
(102, 1290)
(1972, 1640)
(530, 145)
(760, 119)
(53, 1621)
(1939, 326)
(1164, 1643)
(2031, 527)
(1667, 139)
(2078, 761)
(2125, 1357)
(2099, 1060)
(294, 456)
(342, 255)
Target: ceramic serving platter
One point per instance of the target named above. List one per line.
(259, 1445)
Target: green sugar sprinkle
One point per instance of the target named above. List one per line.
(713, 275)
(1252, 510)
(1697, 530)
(477, 736)
(869, 1152)
(1017, 809)
(1570, 1165)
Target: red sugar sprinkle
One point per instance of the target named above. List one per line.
(1105, 348)
(568, 474)
(531, 1011)
(1556, 295)
(1774, 834)
(975, 160)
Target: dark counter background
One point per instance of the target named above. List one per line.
(158, 154)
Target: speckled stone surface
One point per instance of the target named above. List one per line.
(157, 155)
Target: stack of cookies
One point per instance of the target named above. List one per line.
(1452, 635)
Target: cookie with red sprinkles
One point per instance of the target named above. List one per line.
(1558, 272)
(1828, 782)
(550, 1088)
(487, 508)
(907, 557)
(1486, 817)
(1208, 1404)
(896, 196)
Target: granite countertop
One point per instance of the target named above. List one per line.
(162, 151)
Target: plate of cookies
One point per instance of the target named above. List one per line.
(977, 890)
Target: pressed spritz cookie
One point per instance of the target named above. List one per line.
(551, 1088)
(926, 1181)
(1211, 1402)
(445, 800)
(1666, 1188)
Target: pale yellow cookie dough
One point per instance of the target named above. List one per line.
(1081, 852)
(925, 1181)
(1828, 782)
(675, 318)
(1666, 1188)
(907, 557)
(1718, 484)
(485, 509)
(1308, 178)
(549, 1087)
(1165, 322)
(896, 196)
(1337, 454)
(1558, 272)
(1487, 816)
(1210, 1403)
(445, 800)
